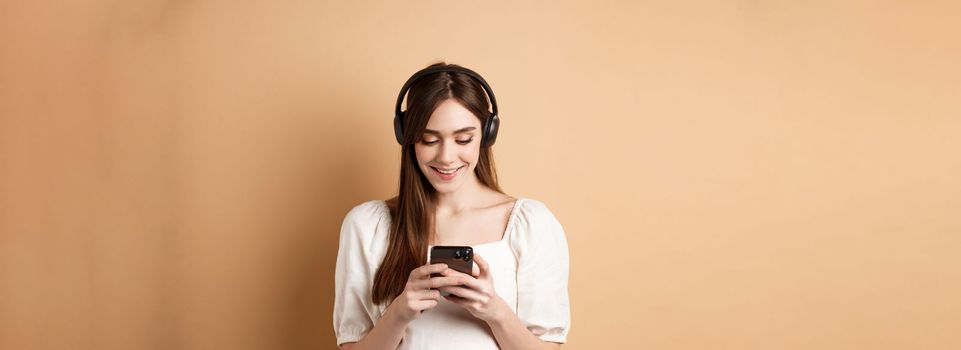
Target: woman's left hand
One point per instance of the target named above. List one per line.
(477, 295)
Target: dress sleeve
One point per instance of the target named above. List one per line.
(543, 304)
(354, 311)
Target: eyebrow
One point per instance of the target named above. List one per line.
(435, 132)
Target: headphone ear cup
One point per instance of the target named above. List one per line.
(399, 128)
(490, 130)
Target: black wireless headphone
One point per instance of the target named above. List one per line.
(489, 129)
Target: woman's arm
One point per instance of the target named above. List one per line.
(511, 334)
(485, 304)
(386, 334)
(479, 298)
(419, 294)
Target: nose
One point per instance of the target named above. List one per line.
(447, 154)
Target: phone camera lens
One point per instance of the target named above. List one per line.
(457, 254)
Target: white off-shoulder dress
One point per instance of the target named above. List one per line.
(529, 266)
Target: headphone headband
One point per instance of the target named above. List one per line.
(489, 130)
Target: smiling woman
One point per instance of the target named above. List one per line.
(388, 296)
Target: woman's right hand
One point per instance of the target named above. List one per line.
(421, 292)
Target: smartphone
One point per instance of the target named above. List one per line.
(460, 258)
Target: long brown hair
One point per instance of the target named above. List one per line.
(412, 210)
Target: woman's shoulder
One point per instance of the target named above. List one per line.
(530, 210)
(534, 218)
(368, 208)
(536, 228)
(367, 213)
(366, 225)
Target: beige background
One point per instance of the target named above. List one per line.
(730, 174)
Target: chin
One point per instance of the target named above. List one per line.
(446, 189)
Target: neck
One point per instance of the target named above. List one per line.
(466, 197)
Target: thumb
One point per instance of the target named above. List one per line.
(483, 267)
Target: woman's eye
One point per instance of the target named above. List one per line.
(462, 142)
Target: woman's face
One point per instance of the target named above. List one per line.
(447, 153)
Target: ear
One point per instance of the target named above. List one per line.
(490, 130)
(399, 127)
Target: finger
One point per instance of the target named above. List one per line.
(457, 300)
(483, 267)
(465, 293)
(424, 304)
(424, 271)
(468, 280)
(438, 282)
(428, 294)
(473, 283)
(455, 273)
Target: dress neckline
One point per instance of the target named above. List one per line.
(507, 230)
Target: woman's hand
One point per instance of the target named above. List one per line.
(421, 293)
(477, 294)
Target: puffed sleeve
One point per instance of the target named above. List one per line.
(354, 311)
(543, 304)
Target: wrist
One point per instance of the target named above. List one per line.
(395, 316)
(501, 313)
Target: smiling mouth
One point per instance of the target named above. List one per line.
(447, 171)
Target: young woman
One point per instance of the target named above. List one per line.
(386, 297)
